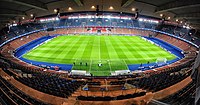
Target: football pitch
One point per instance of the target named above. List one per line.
(88, 51)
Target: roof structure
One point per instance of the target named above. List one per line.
(186, 11)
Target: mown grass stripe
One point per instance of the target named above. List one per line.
(114, 52)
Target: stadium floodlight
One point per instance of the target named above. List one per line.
(111, 8)
(133, 9)
(188, 27)
(14, 24)
(89, 16)
(108, 16)
(148, 20)
(140, 19)
(55, 10)
(70, 9)
(57, 18)
(93, 7)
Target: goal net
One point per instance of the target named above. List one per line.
(161, 61)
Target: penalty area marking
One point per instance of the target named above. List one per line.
(99, 49)
(126, 64)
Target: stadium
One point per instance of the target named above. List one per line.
(85, 52)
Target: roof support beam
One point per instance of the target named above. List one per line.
(126, 3)
(78, 2)
(179, 4)
(29, 3)
(188, 16)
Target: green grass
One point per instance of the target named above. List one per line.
(114, 52)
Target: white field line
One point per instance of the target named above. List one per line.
(90, 65)
(126, 64)
(99, 49)
(109, 66)
(37, 46)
